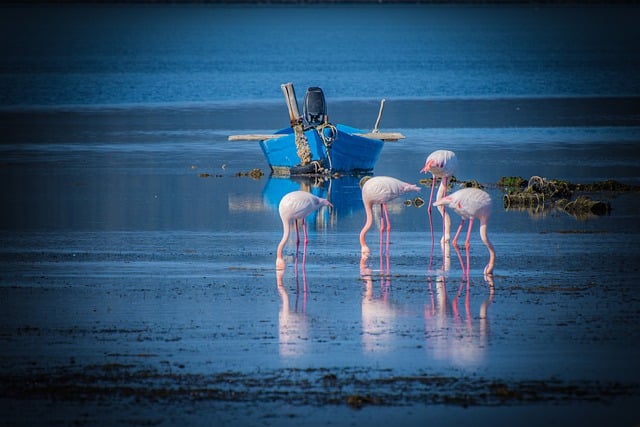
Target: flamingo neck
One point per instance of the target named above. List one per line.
(492, 253)
(366, 227)
(285, 236)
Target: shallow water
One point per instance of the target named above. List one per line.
(118, 260)
(138, 281)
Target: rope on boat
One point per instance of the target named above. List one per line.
(327, 140)
(302, 145)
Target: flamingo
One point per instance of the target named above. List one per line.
(471, 203)
(380, 190)
(294, 206)
(442, 164)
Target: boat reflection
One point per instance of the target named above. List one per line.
(343, 192)
(293, 330)
(452, 332)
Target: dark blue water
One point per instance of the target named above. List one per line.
(159, 54)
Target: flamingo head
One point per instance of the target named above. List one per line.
(427, 166)
(364, 179)
(446, 201)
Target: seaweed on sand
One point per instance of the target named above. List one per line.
(539, 193)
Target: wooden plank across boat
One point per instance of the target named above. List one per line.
(313, 146)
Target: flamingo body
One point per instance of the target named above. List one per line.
(296, 205)
(472, 203)
(380, 190)
(468, 203)
(441, 164)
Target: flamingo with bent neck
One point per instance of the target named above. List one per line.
(294, 206)
(380, 190)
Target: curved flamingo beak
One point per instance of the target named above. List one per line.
(427, 166)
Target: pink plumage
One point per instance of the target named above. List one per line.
(441, 164)
(468, 203)
(294, 206)
(380, 190)
(472, 203)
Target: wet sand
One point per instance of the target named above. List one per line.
(138, 287)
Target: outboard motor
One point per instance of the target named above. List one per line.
(314, 108)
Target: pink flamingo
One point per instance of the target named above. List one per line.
(442, 164)
(380, 190)
(471, 203)
(294, 206)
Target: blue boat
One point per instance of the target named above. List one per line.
(313, 146)
(333, 148)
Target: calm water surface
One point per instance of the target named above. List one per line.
(129, 242)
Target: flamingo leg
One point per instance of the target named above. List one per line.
(304, 246)
(466, 242)
(381, 229)
(304, 230)
(446, 219)
(386, 214)
(462, 266)
(455, 238)
(467, 247)
(433, 184)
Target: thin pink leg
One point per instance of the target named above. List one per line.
(466, 242)
(467, 247)
(433, 184)
(381, 229)
(455, 238)
(304, 229)
(460, 259)
(444, 208)
(386, 215)
(304, 246)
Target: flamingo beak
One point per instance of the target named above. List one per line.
(426, 167)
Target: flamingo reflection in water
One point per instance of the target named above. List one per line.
(293, 331)
(453, 334)
(378, 312)
(296, 206)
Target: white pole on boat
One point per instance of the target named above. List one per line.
(375, 128)
(302, 145)
(292, 102)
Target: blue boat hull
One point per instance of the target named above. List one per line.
(347, 153)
